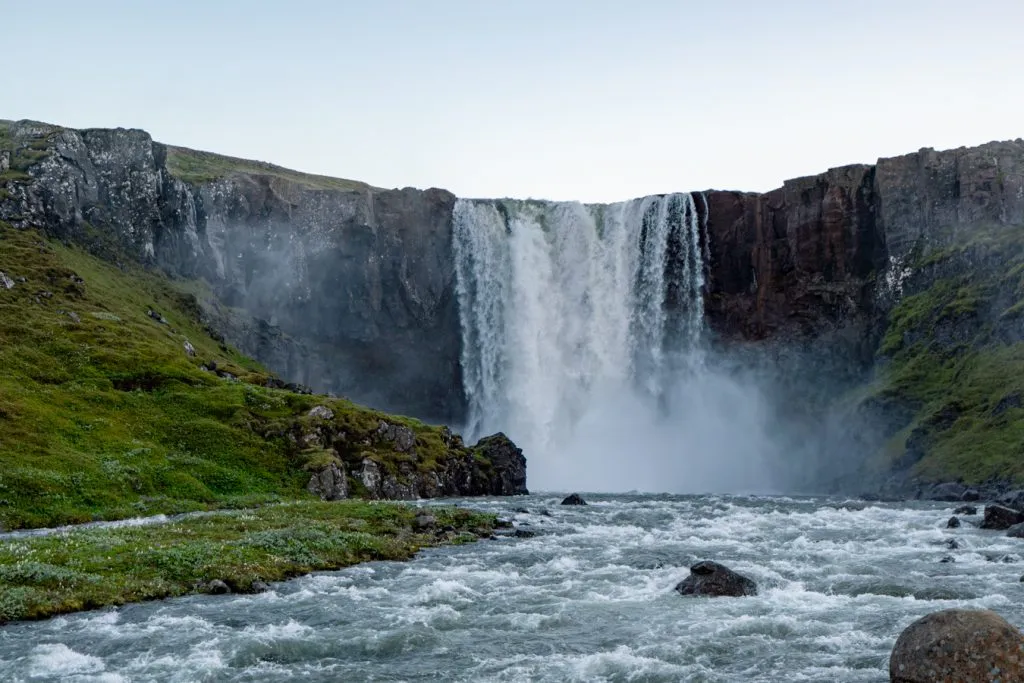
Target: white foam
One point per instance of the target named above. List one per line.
(58, 660)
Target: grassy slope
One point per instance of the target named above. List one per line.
(201, 167)
(946, 358)
(84, 569)
(104, 416)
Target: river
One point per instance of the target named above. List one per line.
(588, 599)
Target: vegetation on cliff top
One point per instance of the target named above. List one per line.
(90, 568)
(197, 167)
(955, 354)
(104, 415)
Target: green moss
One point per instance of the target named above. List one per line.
(203, 167)
(956, 384)
(24, 153)
(103, 415)
(90, 568)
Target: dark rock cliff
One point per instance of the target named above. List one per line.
(336, 285)
(833, 249)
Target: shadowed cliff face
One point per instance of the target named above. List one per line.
(342, 287)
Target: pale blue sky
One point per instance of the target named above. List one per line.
(563, 99)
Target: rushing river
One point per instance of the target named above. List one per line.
(588, 599)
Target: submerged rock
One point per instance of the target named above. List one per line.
(574, 499)
(952, 544)
(715, 580)
(1001, 517)
(958, 645)
(948, 559)
(1016, 531)
(953, 523)
(966, 510)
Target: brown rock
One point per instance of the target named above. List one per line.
(1001, 517)
(715, 580)
(958, 646)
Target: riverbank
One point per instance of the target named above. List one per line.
(236, 551)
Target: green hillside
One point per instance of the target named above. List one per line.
(105, 415)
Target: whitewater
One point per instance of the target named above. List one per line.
(590, 598)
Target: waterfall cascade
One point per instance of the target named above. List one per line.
(579, 319)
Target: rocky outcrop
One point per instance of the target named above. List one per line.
(336, 285)
(958, 645)
(393, 461)
(715, 580)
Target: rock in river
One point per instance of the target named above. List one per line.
(574, 499)
(715, 580)
(1001, 517)
(958, 645)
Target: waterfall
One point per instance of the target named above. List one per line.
(568, 310)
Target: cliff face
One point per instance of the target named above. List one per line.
(333, 284)
(350, 288)
(833, 249)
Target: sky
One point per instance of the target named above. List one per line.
(595, 100)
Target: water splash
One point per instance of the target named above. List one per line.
(580, 320)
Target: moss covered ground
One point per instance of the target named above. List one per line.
(91, 568)
(197, 167)
(954, 352)
(103, 414)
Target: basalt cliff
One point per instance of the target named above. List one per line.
(895, 290)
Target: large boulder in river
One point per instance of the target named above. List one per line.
(715, 580)
(1001, 517)
(958, 645)
(574, 499)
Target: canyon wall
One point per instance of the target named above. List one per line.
(351, 289)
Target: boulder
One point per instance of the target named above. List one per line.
(958, 645)
(966, 510)
(574, 499)
(217, 587)
(971, 495)
(259, 587)
(715, 580)
(424, 521)
(953, 523)
(330, 483)
(948, 491)
(1016, 531)
(508, 466)
(321, 413)
(402, 438)
(952, 544)
(1001, 517)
